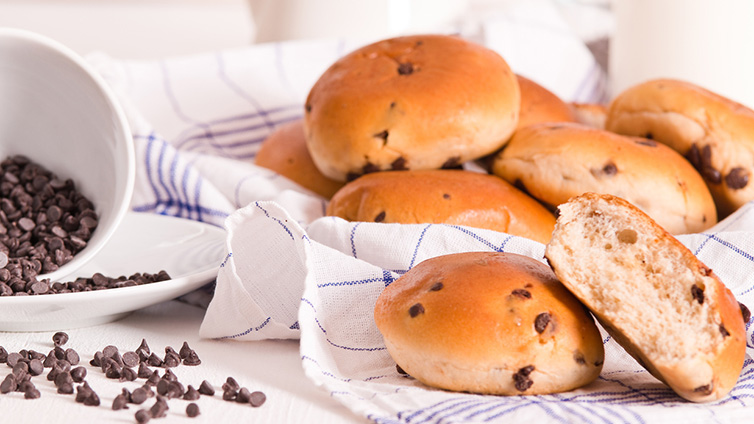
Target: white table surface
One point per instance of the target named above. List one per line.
(271, 366)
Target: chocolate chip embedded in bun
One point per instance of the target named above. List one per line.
(714, 133)
(489, 322)
(554, 162)
(285, 152)
(443, 196)
(414, 102)
(664, 306)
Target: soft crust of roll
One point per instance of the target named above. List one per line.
(539, 104)
(285, 152)
(714, 133)
(554, 162)
(664, 306)
(443, 196)
(589, 114)
(414, 102)
(489, 322)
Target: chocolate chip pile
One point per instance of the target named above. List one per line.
(95, 282)
(69, 377)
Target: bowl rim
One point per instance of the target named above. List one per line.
(122, 129)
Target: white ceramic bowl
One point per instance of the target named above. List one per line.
(59, 113)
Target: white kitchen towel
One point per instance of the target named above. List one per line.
(290, 272)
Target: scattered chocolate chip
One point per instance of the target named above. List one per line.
(154, 360)
(415, 310)
(737, 178)
(192, 410)
(370, 168)
(127, 374)
(229, 395)
(159, 409)
(405, 69)
(522, 293)
(191, 393)
(521, 378)
(745, 313)
(32, 393)
(192, 359)
(257, 398)
(3, 355)
(139, 395)
(206, 388)
(9, 384)
(78, 374)
(709, 173)
(142, 416)
(13, 359)
(380, 217)
(130, 359)
(154, 378)
(697, 293)
(72, 356)
(437, 286)
(541, 322)
(243, 395)
(144, 371)
(65, 389)
(120, 402)
(36, 367)
(609, 169)
(352, 176)
(231, 384)
(60, 338)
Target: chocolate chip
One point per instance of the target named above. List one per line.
(609, 169)
(400, 370)
(139, 395)
(192, 359)
(399, 164)
(522, 293)
(185, 350)
(131, 359)
(437, 286)
(144, 371)
(705, 390)
(32, 393)
(231, 384)
(192, 410)
(143, 347)
(521, 378)
(206, 388)
(541, 322)
(9, 384)
(405, 69)
(72, 356)
(230, 395)
(380, 217)
(724, 331)
(191, 393)
(127, 374)
(415, 310)
(60, 338)
(737, 178)
(308, 108)
(578, 357)
(119, 402)
(243, 395)
(745, 313)
(452, 162)
(13, 359)
(65, 389)
(78, 374)
(159, 409)
(154, 360)
(697, 293)
(383, 135)
(370, 168)
(36, 367)
(3, 355)
(352, 176)
(257, 398)
(709, 173)
(142, 416)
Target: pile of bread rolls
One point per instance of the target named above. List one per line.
(387, 136)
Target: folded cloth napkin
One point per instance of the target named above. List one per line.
(291, 272)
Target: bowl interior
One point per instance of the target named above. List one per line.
(60, 114)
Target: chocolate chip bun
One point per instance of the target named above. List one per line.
(539, 104)
(285, 152)
(664, 306)
(489, 322)
(554, 162)
(715, 134)
(443, 196)
(414, 102)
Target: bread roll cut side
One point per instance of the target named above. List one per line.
(663, 305)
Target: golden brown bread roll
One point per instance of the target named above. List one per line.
(414, 102)
(285, 152)
(554, 162)
(489, 322)
(590, 114)
(714, 133)
(664, 306)
(443, 196)
(539, 104)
